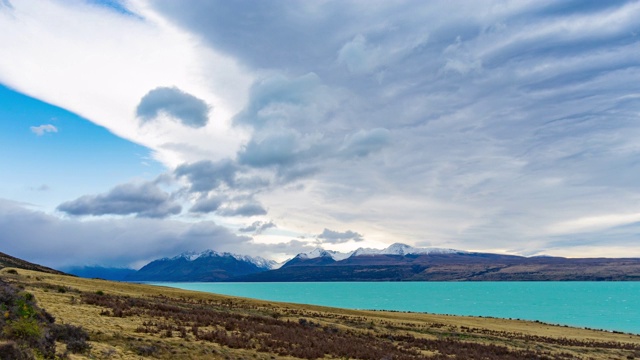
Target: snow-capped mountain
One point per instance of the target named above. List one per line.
(256, 260)
(394, 249)
(320, 252)
(208, 265)
(404, 249)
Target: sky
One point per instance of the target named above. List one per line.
(137, 129)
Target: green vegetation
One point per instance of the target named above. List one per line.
(28, 332)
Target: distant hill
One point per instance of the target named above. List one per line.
(205, 266)
(401, 262)
(10, 261)
(100, 272)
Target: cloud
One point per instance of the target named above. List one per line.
(258, 227)
(46, 239)
(292, 124)
(207, 204)
(255, 33)
(207, 175)
(364, 142)
(186, 108)
(143, 199)
(278, 101)
(247, 209)
(459, 59)
(498, 121)
(43, 129)
(336, 237)
(276, 149)
(280, 250)
(594, 223)
(6, 3)
(135, 46)
(358, 56)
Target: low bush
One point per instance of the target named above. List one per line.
(11, 351)
(146, 350)
(31, 330)
(24, 323)
(74, 336)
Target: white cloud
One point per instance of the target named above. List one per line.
(593, 223)
(42, 129)
(100, 64)
(358, 56)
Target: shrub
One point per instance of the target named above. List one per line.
(74, 336)
(23, 322)
(146, 350)
(23, 329)
(11, 351)
(12, 271)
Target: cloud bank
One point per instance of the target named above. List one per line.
(144, 200)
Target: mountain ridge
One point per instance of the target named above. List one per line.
(208, 265)
(401, 262)
(397, 262)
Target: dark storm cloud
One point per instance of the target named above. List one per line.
(143, 199)
(188, 109)
(336, 237)
(207, 175)
(47, 239)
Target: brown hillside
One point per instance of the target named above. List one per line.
(10, 261)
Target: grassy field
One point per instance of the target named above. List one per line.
(132, 321)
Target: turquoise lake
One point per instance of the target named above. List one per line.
(597, 305)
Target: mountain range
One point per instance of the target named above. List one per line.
(208, 265)
(398, 262)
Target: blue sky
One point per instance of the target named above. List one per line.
(73, 158)
(132, 130)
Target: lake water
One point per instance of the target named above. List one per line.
(597, 305)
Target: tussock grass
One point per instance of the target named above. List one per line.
(133, 321)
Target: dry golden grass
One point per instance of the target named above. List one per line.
(114, 337)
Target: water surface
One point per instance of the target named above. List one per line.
(598, 305)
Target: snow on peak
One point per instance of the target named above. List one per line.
(393, 249)
(258, 261)
(315, 253)
(403, 249)
(399, 249)
(320, 252)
